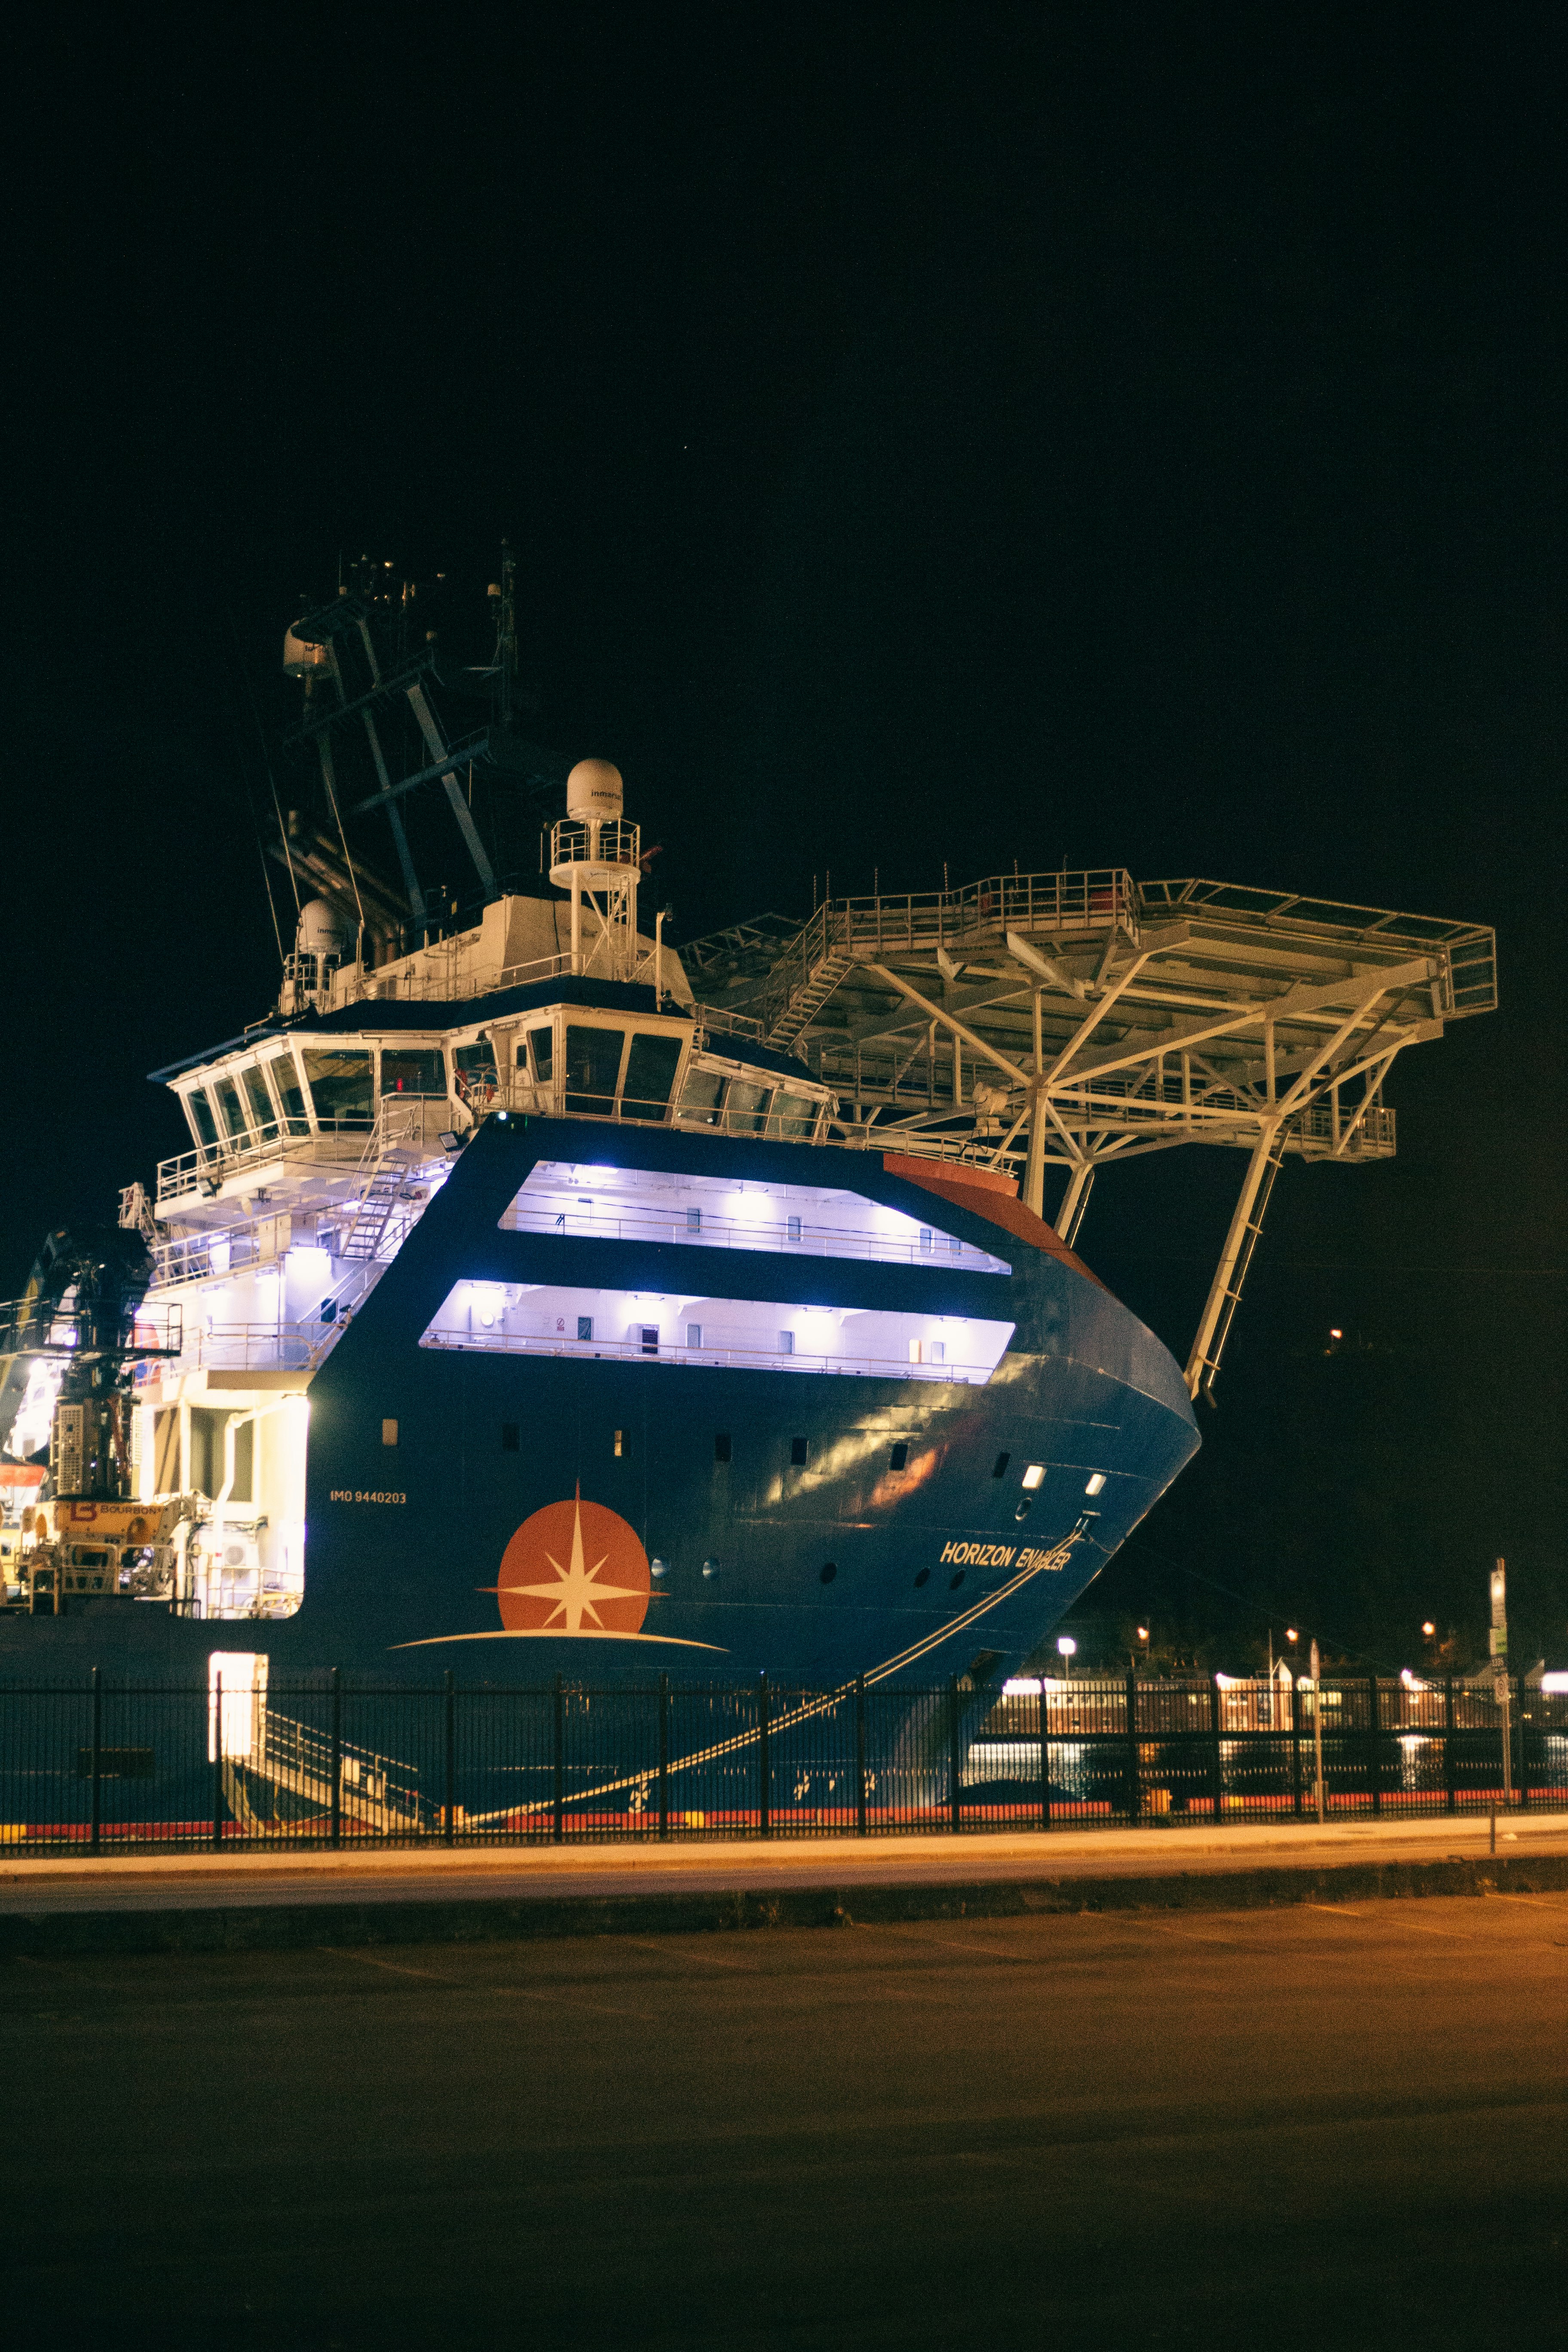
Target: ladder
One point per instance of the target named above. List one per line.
(802, 1007)
(386, 1167)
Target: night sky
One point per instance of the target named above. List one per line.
(1100, 434)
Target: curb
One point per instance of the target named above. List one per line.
(544, 1918)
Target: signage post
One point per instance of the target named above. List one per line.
(1500, 1673)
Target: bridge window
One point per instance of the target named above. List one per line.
(417, 1070)
(264, 1119)
(651, 1065)
(339, 1088)
(746, 1109)
(795, 1116)
(290, 1098)
(475, 1067)
(702, 1096)
(542, 1045)
(229, 1103)
(204, 1126)
(592, 1068)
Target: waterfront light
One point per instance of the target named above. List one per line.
(1067, 1647)
(1428, 1628)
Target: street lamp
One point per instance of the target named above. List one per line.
(1067, 1649)
(1427, 1627)
(1143, 1637)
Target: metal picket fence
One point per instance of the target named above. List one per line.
(328, 1761)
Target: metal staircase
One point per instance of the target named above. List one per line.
(388, 1164)
(807, 1001)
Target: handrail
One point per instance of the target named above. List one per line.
(732, 1232)
(776, 1359)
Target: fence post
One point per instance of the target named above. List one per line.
(450, 1708)
(765, 1763)
(663, 1756)
(1217, 1761)
(1134, 1778)
(1045, 1758)
(1295, 1743)
(1523, 1782)
(97, 1758)
(955, 1817)
(335, 1766)
(558, 1830)
(859, 1755)
(1377, 1774)
(1449, 1779)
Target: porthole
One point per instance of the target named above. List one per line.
(954, 1581)
(709, 1568)
(829, 1572)
(1025, 1507)
(659, 1567)
(924, 1578)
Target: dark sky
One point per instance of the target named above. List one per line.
(1111, 434)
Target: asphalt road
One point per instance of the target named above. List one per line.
(1320, 2127)
(190, 1880)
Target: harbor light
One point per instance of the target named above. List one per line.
(1292, 1634)
(1428, 1628)
(1068, 1646)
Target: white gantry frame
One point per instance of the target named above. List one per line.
(1074, 1020)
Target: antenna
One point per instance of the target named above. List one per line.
(504, 591)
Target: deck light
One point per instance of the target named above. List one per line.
(1096, 1483)
(1033, 1475)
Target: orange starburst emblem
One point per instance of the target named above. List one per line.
(574, 1568)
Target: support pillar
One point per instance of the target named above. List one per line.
(1225, 1290)
(1034, 1162)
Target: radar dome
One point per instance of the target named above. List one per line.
(594, 789)
(323, 930)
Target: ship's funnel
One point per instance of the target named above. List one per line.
(594, 791)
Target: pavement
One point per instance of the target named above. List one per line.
(1337, 2124)
(161, 1901)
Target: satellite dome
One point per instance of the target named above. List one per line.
(323, 930)
(594, 789)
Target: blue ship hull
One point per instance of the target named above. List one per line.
(813, 1572)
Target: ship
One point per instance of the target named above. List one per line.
(536, 1298)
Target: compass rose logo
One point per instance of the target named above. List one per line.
(574, 1568)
